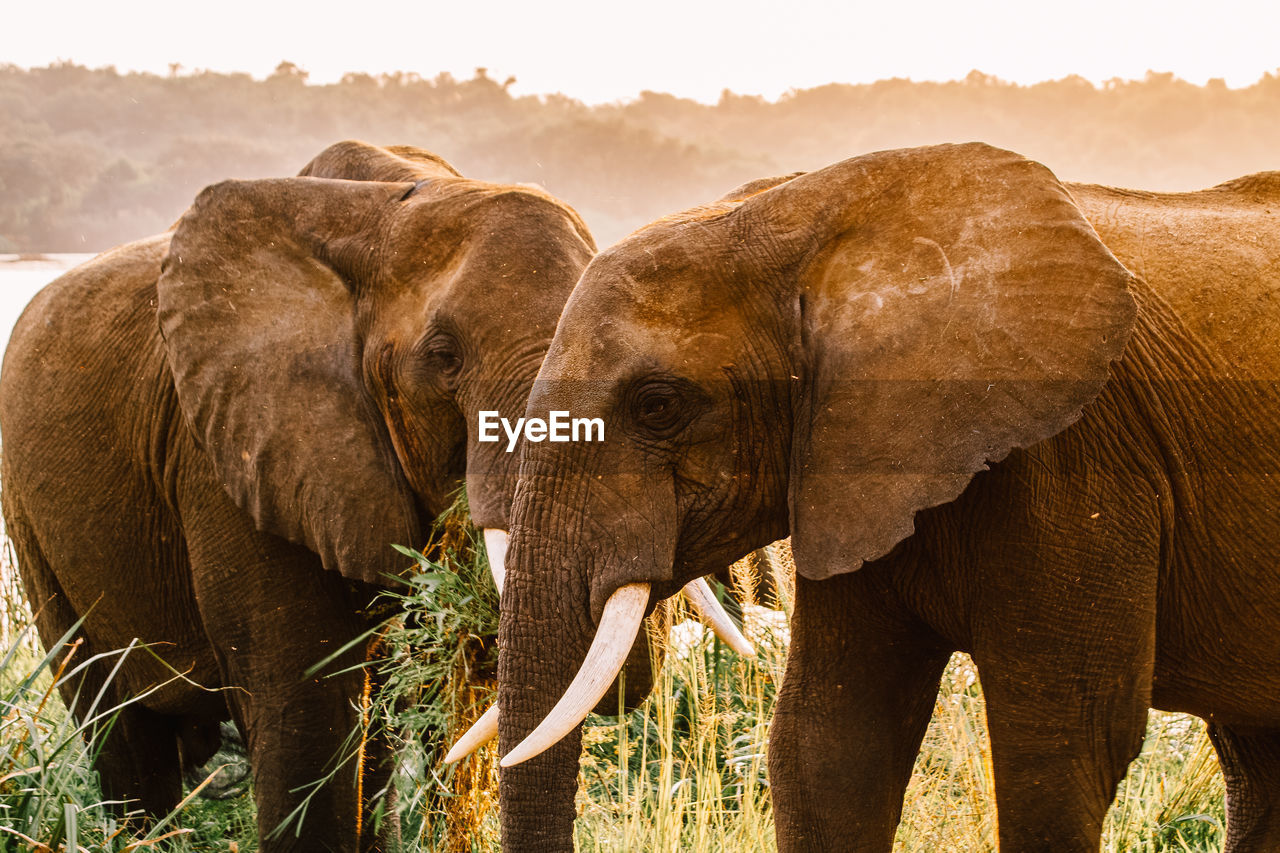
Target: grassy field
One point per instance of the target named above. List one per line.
(687, 771)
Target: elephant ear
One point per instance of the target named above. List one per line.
(954, 305)
(759, 185)
(257, 307)
(354, 160)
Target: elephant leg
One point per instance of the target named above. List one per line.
(303, 733)
(273, 612)
(857, 697)
(1250, 761)
(1067, 675)
(139, 762)
(1056, 776)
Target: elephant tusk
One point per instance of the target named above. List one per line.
(699, 594)
(700, 597)
(495, 543)
(481, 732)
(619, 624)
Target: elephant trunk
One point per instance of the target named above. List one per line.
(544, 633)
(549, 621)
(617, 633)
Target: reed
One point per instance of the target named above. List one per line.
(685, 771)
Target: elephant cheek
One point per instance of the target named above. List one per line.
(491, 484)
(431, 466)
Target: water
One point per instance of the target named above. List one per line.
(21, 279)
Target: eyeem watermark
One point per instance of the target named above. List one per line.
(560, 427)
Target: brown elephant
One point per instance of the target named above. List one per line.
(982, 429)
(212, 437)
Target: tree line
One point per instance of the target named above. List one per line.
(90, 158)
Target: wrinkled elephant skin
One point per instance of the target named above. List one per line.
(212, 437)
(986, 426)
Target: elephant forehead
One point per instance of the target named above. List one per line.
(623, 336)
(499, 231)
(495, 292)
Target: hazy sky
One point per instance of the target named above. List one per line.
(600, 51)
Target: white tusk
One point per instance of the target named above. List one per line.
(481, 732)
(495, 542)
(712, 612)
(619, 624)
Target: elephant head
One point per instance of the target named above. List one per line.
(331, 341)
(822, 357)
(333, 338)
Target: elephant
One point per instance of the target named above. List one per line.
(1038, 423)
(213, 436)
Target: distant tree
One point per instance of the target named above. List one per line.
(288, 71)
(92, 157)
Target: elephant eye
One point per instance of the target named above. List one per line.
(658, 408)
(447, 361)
(444, 356)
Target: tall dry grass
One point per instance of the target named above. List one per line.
(687, 771)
